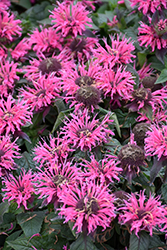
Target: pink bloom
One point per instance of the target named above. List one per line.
(8, 75)
(155, 142)
(21, 49)
(53, 153)
(142, 214)
(113, 22)
(80, 85)
(8, 26)
(70, 19)
(143, 98)
(84, 132)
(118, 84)
(87, 205)
(149, 6)
(119, 52)
(8, 151)
(45, 41)
(81, 49)
(153, 35)
(52, 179)
(42, 93)
(158, 116)
(53, 66)
(145, 71)
(13, 115)
(19, 189)
(105, 171)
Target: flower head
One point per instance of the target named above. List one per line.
(13, 115)
(88, 205)
(139, 131)
(118, 85)
(70, 19)
(53, 178)
(140, 213)
(42, 93)
(47, 40)
(53, 153)
(9, 27)
(19, 189)
(120, 52)
(105, 171)
(8, 151)
(84, 132)
(8, 75)
(149, 6)
(21, 49)
(153, 35)
(155, 141)
(131, 157)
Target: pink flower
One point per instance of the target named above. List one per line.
(81, 49)
(45, 41)
(87, 205)
(118, 84)
(142, 214)
(42, 93)
(8, 75)
(149, 6)
(155, 142)
(143, 99)
(119, 52)
(21, 49)
(52, 66)
(52, 179)
(8, 151)
(8, 26)
(80, 85)
(153, 35)
(105, 171)
(13, 115)
(84, 132)
(70, 19)
(53, 153)
(19, 190)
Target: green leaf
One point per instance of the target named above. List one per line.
(23, 3)
(163, 77)
(156, 243)
(4, 206)
(82, 243)
(31, 222)
(164, 191)
(26, 162)
(112, 116)
(141, 243)
(61, 117)
(20, 244)
(130, 68)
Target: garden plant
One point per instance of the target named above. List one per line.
(83, 125)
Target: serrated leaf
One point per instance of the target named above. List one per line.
(61, 117)
(20, 244)
(26, 162)
(82, 243)
(163, 77)
(31, 222)
(141, 243)
(160, 53)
